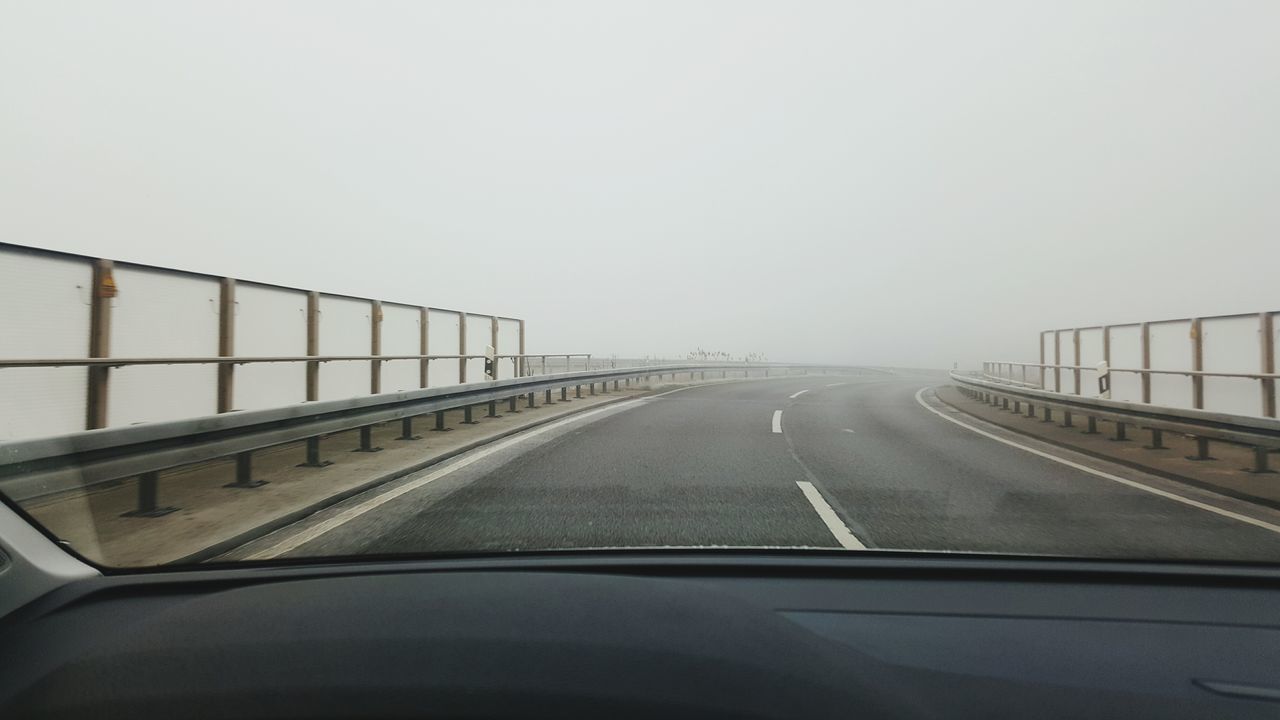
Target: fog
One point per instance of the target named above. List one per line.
(911, 184)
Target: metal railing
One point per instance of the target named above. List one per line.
(95, 289)
(118, 362)
(45, 466)
(1260, 434)
(96, 398)
(1004, 371)
(1065, 349)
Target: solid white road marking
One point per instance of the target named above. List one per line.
(837, 384)
(351, 513)
(777, 421)
(848, 431)
(1104, 475)
(793, 397)
(829, 517)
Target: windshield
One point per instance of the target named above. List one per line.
(304, 280)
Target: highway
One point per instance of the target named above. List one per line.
(867, 460)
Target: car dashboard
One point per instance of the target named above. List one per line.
(653, 634)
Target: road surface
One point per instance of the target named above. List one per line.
(860, 461)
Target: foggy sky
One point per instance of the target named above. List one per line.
(892, 183)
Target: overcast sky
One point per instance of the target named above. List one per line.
(896, 183)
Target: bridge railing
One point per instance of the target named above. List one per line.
(1260, 434)
(1223, 362)
(47, 466)
(90, 343)
(1031, 375)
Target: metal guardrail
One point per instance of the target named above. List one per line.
(1260, 434)
(45, 466)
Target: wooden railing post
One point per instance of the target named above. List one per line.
(423, 339)
(1197, 363)
(100, 295)
(1075, 341)
(226, 343)
(1268, 366)
(462, 347)
(1145, 341)
(375, 346)
(313, 345)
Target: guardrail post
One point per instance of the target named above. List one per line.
(1067, 420)
(313, 455)
(366, 441)
(226, 343)
(1048, 414)
(1266, 326)
(440, 422)
(1197, 363)
(592, 387)
(1259, 461)
(546, 400)
(1202, 450)
(406, 430)
(529, 402)
(493, 409)
(564, 393)
(149, 498)
(577, 392)
(244, 473)
(1157, 439)
(511, 404)
(1092, 426)
(466, 416)
(1017, 407)
(1121, 434)
(1031, 410)
(104, 288)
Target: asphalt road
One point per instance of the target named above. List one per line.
(859, 462)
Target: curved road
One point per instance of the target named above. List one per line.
(815, 461)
